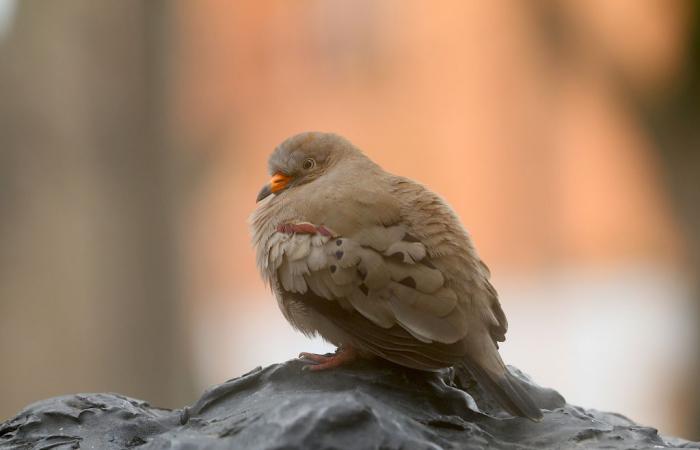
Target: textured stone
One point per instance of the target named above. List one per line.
(367, 405)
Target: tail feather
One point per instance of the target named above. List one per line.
(507, 390)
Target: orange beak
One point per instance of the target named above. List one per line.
(278, 183)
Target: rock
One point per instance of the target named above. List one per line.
(364, 406)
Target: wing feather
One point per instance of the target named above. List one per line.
(428, 217)
(379, 273)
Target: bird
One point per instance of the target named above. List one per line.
(379, 266)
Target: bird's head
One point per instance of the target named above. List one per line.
(304, 158)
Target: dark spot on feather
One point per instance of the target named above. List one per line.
(339, 254)
(339, 242)
(363, 274)
(409, 281)
(397, 256)
(410, 238)
(427, 263)
(333, 268)
(364, 289)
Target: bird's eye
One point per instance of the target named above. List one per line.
(308, 164)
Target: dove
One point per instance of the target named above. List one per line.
(379, 266)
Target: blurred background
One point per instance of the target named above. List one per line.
(134, 137)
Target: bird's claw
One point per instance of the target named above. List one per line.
(318, 362)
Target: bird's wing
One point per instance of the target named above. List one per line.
(377, 287)
(429, 219)
(380, 272)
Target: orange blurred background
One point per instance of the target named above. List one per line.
(544, 124)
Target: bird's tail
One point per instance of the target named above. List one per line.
(493, 376)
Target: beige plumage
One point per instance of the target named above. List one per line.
(378, 265)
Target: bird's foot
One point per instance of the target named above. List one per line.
(304, 228)
(317, 362)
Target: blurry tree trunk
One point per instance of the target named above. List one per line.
(88, 294)
(676, 124)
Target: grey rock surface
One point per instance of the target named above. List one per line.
(368, 405)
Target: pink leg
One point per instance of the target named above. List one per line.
(304, 228)
(342, 356)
